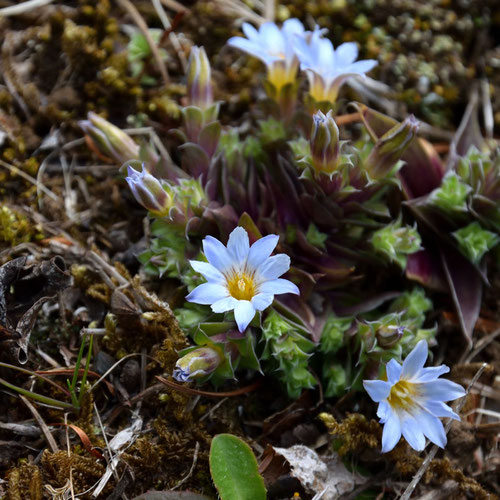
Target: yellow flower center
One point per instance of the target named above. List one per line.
(241, 286)
(402, 395)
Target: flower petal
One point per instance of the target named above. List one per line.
(238, 244)
(217, 254)
(273, 267)
(378, 390)
(250, 47)
(225, 304)
(432, 373)
(271, 38)
(262, 301)
(346, 54)
(415, 361)
(292, 27)
(209, 272)
(439, 409)
(250, 32)
(432, 428)
(441, 390)
(276, 287)
(243, 314)
(361, 67)
(261, 250)
(412, 432)
(384, 411)
(207, 293)
(391, 433)
(393, 369)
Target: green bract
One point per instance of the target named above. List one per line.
(474, 241)
(451, 196)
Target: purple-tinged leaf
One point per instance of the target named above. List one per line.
(468, 133)
(209, 137)
(193, 122)
(194, 159)
(342, 308)
(423, 169)
(466, 290)
(424, 268)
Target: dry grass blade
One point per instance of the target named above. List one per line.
(43, 426)
(141, 24)
(175, 6)
(23, 7)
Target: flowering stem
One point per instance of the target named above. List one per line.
(428, 459)
(208, 394)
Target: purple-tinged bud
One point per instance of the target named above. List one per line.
(384, 156)
(149, 191)
(325, 144)
(111, 140)
(199, 81)
(389, 335)
(198, 363)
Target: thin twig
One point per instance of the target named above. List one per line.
(269, 10)
(193, 465)
(141, 24)
(428, 459)
(16, 171)
(43, 426)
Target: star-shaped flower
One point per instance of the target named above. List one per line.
(328, 68)
(411, 401)
(241, 277)
(274, 47)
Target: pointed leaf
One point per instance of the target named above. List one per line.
(423, 169)
(209, 137)
(466, 290)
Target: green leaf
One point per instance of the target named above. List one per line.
(234, 469)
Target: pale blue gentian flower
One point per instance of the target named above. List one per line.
(241, 277)
(328, 68)
(274, 47)
(149, 191)
(411, 401)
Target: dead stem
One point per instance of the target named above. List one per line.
(209, 394)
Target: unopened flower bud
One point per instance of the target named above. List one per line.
(389, 335)
(390, 147)
(111, 140)
(198, 363)
(199, 81)
(325, 144)
(149, 191)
